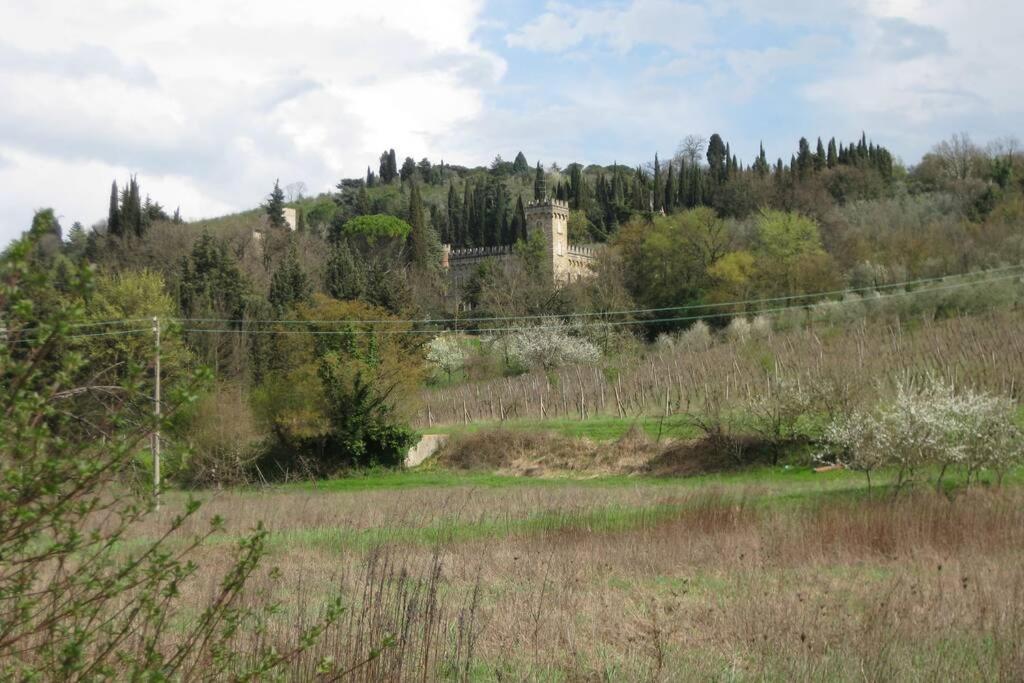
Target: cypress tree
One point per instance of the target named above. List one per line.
(831, 158)
(439, 224)
(698, 186)
(683, 191)
(468, 234)
(344, 278)
(392, 165)
(761, 166)
(669, 202)
(658, 190)
(454, 216)
(134, 224)
(804, 163)
(820, 160)
(519, 221)
(716, 155)
(114, 226)
(289, 285)
(408, 169)
(419, 247)
(539, 185)
(275, 207)
(363, 206)
(501, 222)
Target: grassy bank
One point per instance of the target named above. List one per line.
(765, 574)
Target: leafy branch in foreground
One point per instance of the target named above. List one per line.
(82, 595)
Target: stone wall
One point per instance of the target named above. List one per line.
(551, 217)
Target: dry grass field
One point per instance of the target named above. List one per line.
(767, 575)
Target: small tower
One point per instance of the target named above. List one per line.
(551, 218)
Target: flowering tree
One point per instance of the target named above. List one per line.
(929, 424)
(549, 345)
(853, 442)
(447, 354)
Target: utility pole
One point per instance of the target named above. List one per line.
(156, 413)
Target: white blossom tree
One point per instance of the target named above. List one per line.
(446, 353)
(929, 424)
(549, 345)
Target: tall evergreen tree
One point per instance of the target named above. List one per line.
(345, 277)
(289, 285)
(408, 168)
(469, 238)
(454, 216)
(274, 207)
(717, 156)
(576, 193)
(392, 165)
(832, 157)
(539, 184)
(658, 189)
(683, 191)
(804, 162)
(419, 245)
(363, 206)
(696, 197)
(131, 210)
(210, 281)
(439, 223)
(669, 200)
(761, 166)
(114, 226)
(519, 221)
(77, 241)
(820, 160)
(520, 165)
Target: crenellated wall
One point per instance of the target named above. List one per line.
(551, 218)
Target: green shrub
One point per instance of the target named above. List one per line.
(377, 226)
(77, 600)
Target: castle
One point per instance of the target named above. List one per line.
(551, 217)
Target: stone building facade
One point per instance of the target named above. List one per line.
(551, 218)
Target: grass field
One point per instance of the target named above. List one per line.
(771, 573)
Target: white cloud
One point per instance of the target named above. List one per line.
(657, 22)
(922, 71)
(755, 70)
(210, 102)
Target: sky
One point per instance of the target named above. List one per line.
(210, 101)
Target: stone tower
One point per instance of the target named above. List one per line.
(551, 218)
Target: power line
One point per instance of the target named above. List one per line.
(98, 323)
(747, 302)
(619, 323)
(965, 283)
(112, 333)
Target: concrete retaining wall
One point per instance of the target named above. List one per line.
(427, 446)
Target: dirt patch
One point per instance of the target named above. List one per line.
(705, 456)
(548, 454)
(539, 454)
